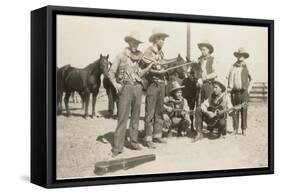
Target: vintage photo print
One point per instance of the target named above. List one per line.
(138, 97)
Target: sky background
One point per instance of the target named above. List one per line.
(81, 39)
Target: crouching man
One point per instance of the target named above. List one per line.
(176, 111)
(214, 111)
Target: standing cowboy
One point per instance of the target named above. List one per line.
(208, 66)
(125, 76)
(176, 111)
(240, 82)
(155, 90)
(217, 99)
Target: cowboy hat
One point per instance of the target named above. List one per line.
(206, 44)
(241, 52)
(223, 88)
(135, 36)
(175, 86)
(156, 33)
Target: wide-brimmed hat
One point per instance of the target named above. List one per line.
(156, 33)
(133, 36)
(206, 43)
(175, 86)
(223, 88)
(241, 52)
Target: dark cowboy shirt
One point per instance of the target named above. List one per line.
(155, 55)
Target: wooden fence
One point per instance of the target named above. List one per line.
(259, 92)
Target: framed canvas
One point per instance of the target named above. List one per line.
(126, 96)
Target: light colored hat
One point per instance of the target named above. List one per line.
(175, 86)
(206, 44)
(241, 52)
(156, 33)
(220, 84)
(133, 36)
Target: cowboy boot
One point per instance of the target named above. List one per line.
(198, 137)
(149, 144)
(244, 132)
(234, 132)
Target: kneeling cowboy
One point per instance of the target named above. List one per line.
(125, 75)
(203, 113)
(176, 115)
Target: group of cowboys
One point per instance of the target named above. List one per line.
(131, 67)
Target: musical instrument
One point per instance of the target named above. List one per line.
(190, 112)
(164, 64)
(220, 113)
(104, 167)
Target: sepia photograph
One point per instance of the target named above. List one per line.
(142, 97)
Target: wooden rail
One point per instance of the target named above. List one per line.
(259, 92)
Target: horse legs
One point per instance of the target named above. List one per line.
(86, 101)
(59, 102)
(82, 100)
(111, 102)
(94, 99)
(66, 100)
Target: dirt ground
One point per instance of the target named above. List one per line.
(81, 143)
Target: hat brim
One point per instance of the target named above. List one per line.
(157, 35)
(177, 88)
(209, 46)
(223, 88)
(129, 39)
(237, 54)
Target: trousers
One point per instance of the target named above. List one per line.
(154, 107)
(129, 100)
(239, 97)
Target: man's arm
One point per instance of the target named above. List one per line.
(214, 74)
(166, 107)
(112, 73)
(144, 71)
(229, 80)
(148, 59)
(204, 108)
(251, 81)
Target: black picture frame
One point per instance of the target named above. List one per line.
(43, 100)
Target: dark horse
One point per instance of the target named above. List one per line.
(84, 81)
(178, 74)
(192, 91)
(60, 74)
(112, 96)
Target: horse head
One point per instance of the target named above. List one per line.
(194, 70)
(104, 64)
(182, 71)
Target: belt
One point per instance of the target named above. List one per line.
(238, 90)
(208, 81)
(158, 81)
(132, 83)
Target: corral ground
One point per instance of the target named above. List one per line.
(83, 142)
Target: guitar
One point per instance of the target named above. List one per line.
(190, 112)
(220, 113)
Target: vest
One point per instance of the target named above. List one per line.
(214, 103)
(244, 76)
(209, 64)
